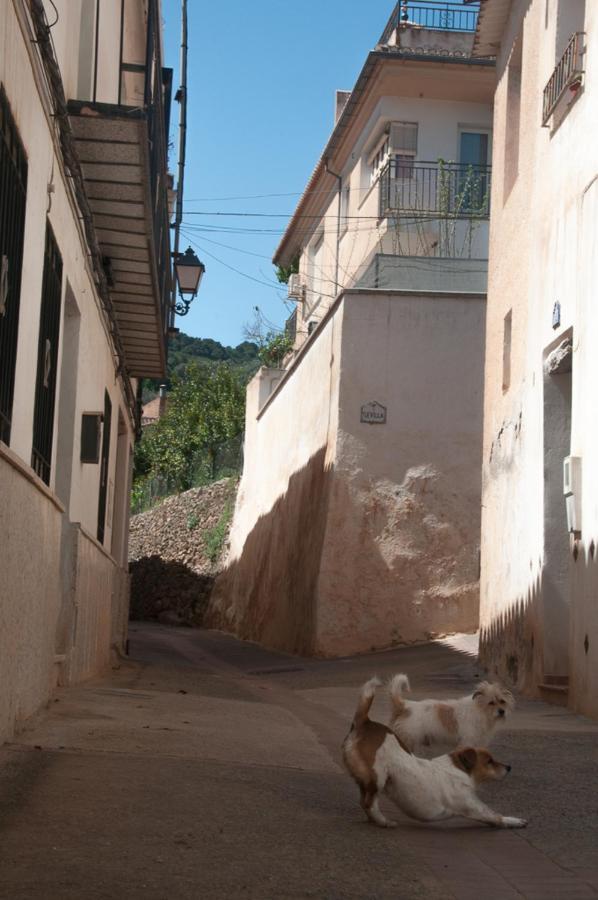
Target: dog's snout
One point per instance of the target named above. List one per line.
(501, 712)
(508, 768)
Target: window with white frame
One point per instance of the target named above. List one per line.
(398, 146)
(345, 193)
(315, 274)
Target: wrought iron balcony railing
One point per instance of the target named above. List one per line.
(435, 189)
(439, 16)
(567, 75)
(290, 326)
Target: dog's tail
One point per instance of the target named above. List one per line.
(396, 686)
(366, 698)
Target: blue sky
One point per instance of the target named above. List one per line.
(262, 78)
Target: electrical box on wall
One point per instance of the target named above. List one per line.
(91, 433)
(572, 491)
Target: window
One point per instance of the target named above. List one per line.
(102, 501)
(47, 358)
(513, 114)
(13, 194)
(506, 351)
(570, 17)
(379, 159)
(474, 185)
(398, 146)
(316, 255)
(345, 194)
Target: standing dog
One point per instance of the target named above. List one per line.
(425, 789)
(468, 720)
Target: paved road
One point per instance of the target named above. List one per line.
(209, 768)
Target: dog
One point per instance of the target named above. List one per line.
(425, 789)
(466, 721)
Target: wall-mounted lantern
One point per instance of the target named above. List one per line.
(188, 272)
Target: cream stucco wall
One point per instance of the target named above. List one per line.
(347, 535)
(542, 251)
(362, 233)
(64, 598)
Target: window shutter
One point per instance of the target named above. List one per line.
(403, 137)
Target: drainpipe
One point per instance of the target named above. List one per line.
(181, 96)
(338, 219)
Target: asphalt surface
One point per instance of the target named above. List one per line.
(210, 768)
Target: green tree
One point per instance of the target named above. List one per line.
(205, 409)
(283, 273)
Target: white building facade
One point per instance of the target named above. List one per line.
(540, 497)
(357, 519)
(84, 313)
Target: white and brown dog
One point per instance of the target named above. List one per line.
(468, 720)
(425, 789)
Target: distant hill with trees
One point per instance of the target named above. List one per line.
(184, 350)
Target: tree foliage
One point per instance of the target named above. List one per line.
(274, 349)
(206, 408)
(283, 273)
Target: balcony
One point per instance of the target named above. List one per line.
(434, 190)
(438, 16)
(567, 76)
(120, 126)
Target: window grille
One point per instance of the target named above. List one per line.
(47, 358)
(13, 195)
(104, 467)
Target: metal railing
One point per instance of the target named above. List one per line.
(290, 326)
(439, 16)
(435, 189)
(142, 83)
(567, 75)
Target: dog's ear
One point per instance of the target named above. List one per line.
(480, 690)
(465, 759)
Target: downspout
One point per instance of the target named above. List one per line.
(181, 96)
(338, 219)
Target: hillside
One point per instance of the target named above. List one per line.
(184, 349)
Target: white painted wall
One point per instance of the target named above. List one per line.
(440, 123)
(64, 598)
(542, 250)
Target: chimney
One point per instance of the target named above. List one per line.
(340, 103)
(162, 404)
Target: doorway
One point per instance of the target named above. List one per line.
(556, 587)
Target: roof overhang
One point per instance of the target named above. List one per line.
(113, 150)
(492, 21)
(323, 180)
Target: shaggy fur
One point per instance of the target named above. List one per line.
(467, 720)
(427, 790)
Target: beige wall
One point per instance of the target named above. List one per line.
(542, 250)
(440, 122)
(64, 598)
(349, 536)
(269, 591)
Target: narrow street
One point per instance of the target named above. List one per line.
(209, 768)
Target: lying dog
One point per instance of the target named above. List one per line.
(425, 789)
(468, 720)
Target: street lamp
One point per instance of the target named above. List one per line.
(188, 271)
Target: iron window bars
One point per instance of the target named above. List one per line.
(47, 358)
(13, 196)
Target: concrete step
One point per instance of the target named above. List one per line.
(558, 694)
(562, 680)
